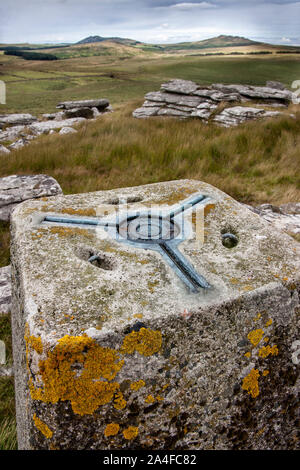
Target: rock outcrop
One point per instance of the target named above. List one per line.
(16, 189)
(5, 290)
(16, 119)
(185, 99)
(285, 217)
(17, 130)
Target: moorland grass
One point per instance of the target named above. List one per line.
(37, 87)
(255, 163)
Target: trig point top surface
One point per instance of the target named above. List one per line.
(94, 263)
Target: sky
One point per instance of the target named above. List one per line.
(150, 21)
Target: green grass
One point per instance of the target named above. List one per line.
(38, 87)
(7, 401)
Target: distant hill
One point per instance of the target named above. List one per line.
(94, 39)
(213, 43)
(124, 48)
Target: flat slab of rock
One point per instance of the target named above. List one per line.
(15, 189)
(45, 126)
(184, 98)
(99, 104)
(123, 342)
(5, 290)
(239, 114)
(17, 119)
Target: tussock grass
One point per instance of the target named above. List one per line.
(255, 163)
(8, 435)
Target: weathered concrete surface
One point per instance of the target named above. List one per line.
(5, 290)
(15, 189)
(121, 355)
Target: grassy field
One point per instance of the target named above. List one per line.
(254, 163)
(37, 87)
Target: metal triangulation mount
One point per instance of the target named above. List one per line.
(151, 230)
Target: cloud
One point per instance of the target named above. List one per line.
(189, 6)
(285, 40)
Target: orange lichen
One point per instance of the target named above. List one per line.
(150, 399)
(69, 232)
(145, 342)
(111, 429)
(266, 351)
(131, 433)
(137, 385)
(84, 389)
(265, 373)
(258, 316)
(248, 354)
(33, 341)
(208, 208)
(269, 322)
(82, 212)
(255, 336)
(119, 402)
(41, 426)
(250, 383)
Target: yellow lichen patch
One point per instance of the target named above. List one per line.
(248, 354)
(250, 383)
(234, 280)
(137, 385)
(82, 212)
(119, 402)
(265, 373)
(208, 208)
(145, 342)
(258, 316)
(33, 341)
(70, 232)
(111, 429)
(248, 288)
(138, 315)
(131, 433)
(41, 426)
(255, 336)
(266, 339)
(269, 322)
(152, 285)
(266, 351)
(150, 399)
(84, 388)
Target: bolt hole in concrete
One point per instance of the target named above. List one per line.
(126, 200)
(97, 259)
(229, 238)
